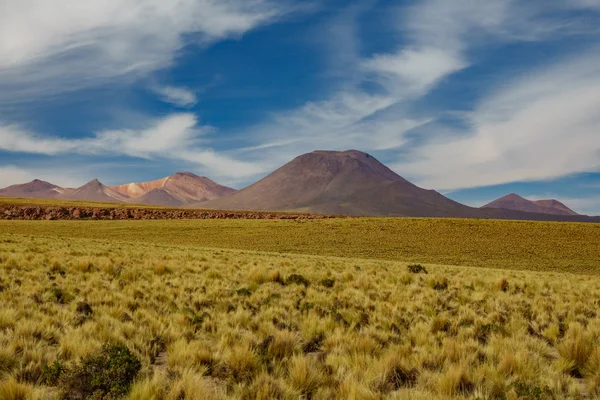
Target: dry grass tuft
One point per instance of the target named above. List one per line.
(12, 390)
(226, 324)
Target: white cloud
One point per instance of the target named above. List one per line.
(518, 132)
(64, 45)
(14, 138)
(540, 126)
(166, 136)
(176, 137)
(343, 122)
(414, 71)
(355, 117)
(178, 96)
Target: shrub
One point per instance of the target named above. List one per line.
(314, 344)
(438, 284)
(328, 283)
(61, 296)
(243, 292)
(440, 324)
(297, 280)
(417, 269)
(84, 308)
(105, 374)
(397, 376)
(532, 392)
(51, 373)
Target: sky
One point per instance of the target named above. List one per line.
(475, 99)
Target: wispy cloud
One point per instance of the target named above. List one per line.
(517, 132)
(178, 96)
(538, 126)
(59, 46)
(177, 137)
(354, 116)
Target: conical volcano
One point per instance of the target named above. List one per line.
(349, 182)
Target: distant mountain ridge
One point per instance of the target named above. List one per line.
(95, 191)
(515, 202)
(352, 183)
(172, 191)
(323, 182)
(33, 189)
(175, 190)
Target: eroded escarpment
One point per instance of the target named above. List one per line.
(15, 212)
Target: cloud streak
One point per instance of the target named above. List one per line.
(176, 137)
(53, 47)
(536, 127)
(516, 132)
(178, 96)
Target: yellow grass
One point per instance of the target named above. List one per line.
(233, 324)
(541, 246)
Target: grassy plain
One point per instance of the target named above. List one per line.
(538, 246)
(237, 324)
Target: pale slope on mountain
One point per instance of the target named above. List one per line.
(158, 197)
(177, 189)
(515, 202)
(136, 189)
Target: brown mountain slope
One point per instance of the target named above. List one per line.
(180, 188)
(33, 189)
(556, 205)
(349, 182)
(515, 202)
(158, 197)
(95, 191)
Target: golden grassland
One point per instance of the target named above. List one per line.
(237, 324)
(541, 246)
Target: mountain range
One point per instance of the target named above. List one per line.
(329, 182)
(172, 191)
(515, 202)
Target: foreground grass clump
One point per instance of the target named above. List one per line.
(177, 322)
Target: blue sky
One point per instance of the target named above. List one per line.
(474, 99)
